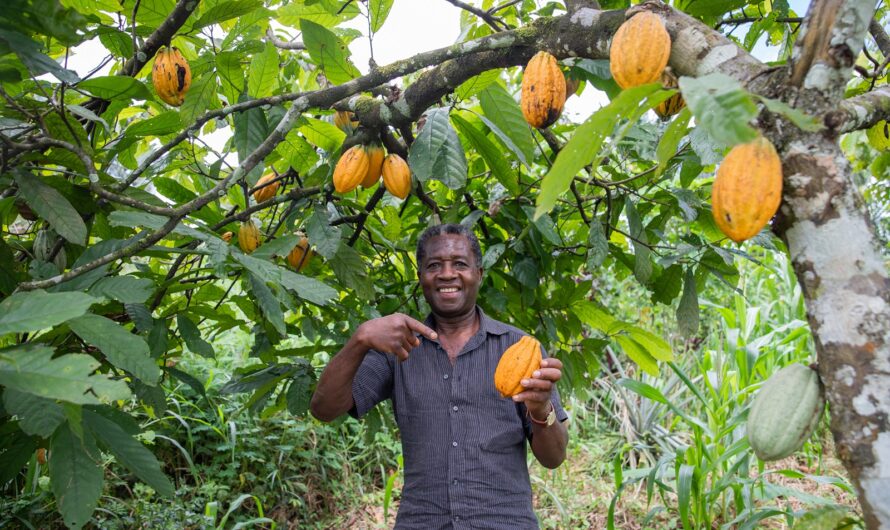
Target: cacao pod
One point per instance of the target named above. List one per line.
(266, 192)
(351, 169)
(785, 412)
(879, 136)
(543, 90)
(248, 236)
(227, 237)
(572, 86)
(518, 362)
(375, 165)
(60, 260)
(299, 257)
(171, 76)
(43, 244)
(396, 175)
(673, 104)
(41, 456)
(345, 121)
(747, 190)
(640, 50)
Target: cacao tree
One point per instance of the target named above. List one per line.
(129, 238)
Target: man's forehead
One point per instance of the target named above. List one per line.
(445, 245)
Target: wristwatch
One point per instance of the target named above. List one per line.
(547, 422)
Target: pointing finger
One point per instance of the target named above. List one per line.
(421, 328)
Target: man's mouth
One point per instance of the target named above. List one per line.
(448, 289)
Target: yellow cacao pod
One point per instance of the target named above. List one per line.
(375, 165)
(640, 50)
(747, 190)
(673, 104)
(248, 236)
(518, 362)
(351, 169)
(227, 237)
(345, 121)
(396, 175)
(265, 193)
(299, 257)
(171, 76)
(879, 136)
(543, 90)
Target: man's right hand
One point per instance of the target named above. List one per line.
(393, 334)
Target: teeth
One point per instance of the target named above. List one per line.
(448, 290)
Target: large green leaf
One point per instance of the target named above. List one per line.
(37, 416)
(190, 333)
(306, 288)
(687, 310)
(638, 354)
(322, 134)
(52, 206)
(350, 268)
(721, 106)
(115, 87)
(269, 305)
(492, 155)
(125, 289)
(123, 349)
(129, 452)
(379, 11)
(263, 77)
(76, 475)
(587, 141)
(503, 111)
(32, 56)
(223, 11)
(35, 310)
(164, 123)
(437, 153)
(297, 152)
(199, 97)
(328, 52)
(597, 245)
(640, 242)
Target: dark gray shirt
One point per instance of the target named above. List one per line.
(464, 446)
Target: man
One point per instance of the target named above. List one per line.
(463, 444)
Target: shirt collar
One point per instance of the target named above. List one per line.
(486, 323)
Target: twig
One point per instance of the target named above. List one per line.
(484, 15)
(360, 225)
(283, 44)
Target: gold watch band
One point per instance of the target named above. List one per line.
(548, 421)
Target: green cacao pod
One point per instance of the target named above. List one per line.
(518, 362)
(43, 244)
(785, 412)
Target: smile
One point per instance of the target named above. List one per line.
(448, 289)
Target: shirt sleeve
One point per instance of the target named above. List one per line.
(372, 383)
(561, 414)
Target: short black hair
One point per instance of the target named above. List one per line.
(439, 230)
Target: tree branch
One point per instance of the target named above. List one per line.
(484, 15)
(860, 112)
(880, 36)
(283, 44)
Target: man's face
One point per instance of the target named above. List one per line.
(449, 275)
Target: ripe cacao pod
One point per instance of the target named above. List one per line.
(785, 412)
(747, 190)
(248, 236)
(171, 76)
(518, 362)
(879, 136)
(375, 164)
(640, 50)
(673, 104)
(351, 169)
(396, 175)
(299, 257)
(543, 90)
(266, 192)
(227, 236)
(345, 121)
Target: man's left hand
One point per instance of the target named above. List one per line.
(537, 394)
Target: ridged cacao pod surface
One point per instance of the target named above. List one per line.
(266, 192)
(171, 76)
(785, 412)
(396, 175)
(640, 50)
(673, 104)
(376, 155)
(248, 236)
(543, 90)
(518, 362)
(299, 257)
(747, 190)
(345, 121)
(879, 136)
(351, 169)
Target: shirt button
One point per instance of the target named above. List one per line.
(457, 517)
(454, 482)
(454, 408)
(445, 376)
(453, 444)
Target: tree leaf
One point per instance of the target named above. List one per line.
(640, 242)
(263, 77)
(597, 245)
(268, 304)
(349, 266)
(721, 106)
(33, 58)
(670, 140)
(164, 123)
(504, 112)
(125, 289)
(499, 166)
(328, 52)
(798, 117)
(324, 236)
(297, 152)
(638, 354)
(437, 152)
(652, 343)
(379, 11)
(76, 476)
(129, 452)
(37, 416)
(35, 310)
(199, 97)
(225, 11)
(322, 134)
(52, 206)
(251, 128)
(123, 349)
(687, 310)
(190, 333)
(114, 87)
(308, 289)
(299, 391)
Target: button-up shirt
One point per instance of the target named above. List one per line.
(463, 444)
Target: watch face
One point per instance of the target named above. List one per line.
(551, 418)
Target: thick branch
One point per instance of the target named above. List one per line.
(880, 36)
(860, 112)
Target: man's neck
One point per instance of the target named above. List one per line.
(466, 324)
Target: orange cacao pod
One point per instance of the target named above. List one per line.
(640, 50)
(345, 121)
(171, 76)
(265, 193)
(299, 257)
(543, 90)
(673, 104)
(747, 190)
(248, 236)
(375, 165)
(396, 175)
(227, 237)
(351, 169)
(518, 362)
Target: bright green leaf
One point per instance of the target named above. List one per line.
(52, 206)
(35, 310)
(436, 153)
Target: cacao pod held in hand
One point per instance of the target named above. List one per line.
(518, 362)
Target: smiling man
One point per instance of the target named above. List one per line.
(464, 445)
